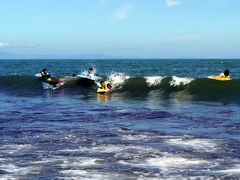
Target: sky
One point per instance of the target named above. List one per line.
(125, 28)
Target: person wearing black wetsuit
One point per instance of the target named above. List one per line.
(45, 74)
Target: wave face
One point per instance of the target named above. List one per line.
(126, 86)
(163, 120)
(190, 88)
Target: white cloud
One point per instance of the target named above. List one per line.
(171, 3)
(122, 12)
(3, 45)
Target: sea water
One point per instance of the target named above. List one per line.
(163, 119)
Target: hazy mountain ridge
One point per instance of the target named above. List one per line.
(6, 55)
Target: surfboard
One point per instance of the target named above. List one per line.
(47, 86)
(219, 78)
(87, 81)
(82, 76)
(38, 75)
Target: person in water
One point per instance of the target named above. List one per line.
(91, 72)
(105, 85)
(52, 82)
(45, 74)
(225, 74)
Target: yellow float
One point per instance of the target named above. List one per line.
(220, 78)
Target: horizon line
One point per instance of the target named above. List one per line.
(196, 58)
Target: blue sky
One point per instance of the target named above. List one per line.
(127, 28)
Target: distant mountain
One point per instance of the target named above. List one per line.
(95, 56)
(6, 55)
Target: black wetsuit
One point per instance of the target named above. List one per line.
(45, 76)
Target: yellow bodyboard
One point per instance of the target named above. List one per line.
(100, 90)
(219, 78)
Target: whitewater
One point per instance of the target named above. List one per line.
(163, 120)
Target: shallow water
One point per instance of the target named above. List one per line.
(157, 131)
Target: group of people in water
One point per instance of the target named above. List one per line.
(53, 81)
(104, 85)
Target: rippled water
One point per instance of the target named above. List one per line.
(75, 133)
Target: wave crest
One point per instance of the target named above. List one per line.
(167, 87)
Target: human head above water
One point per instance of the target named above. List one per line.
(226, 72)
(44, 70)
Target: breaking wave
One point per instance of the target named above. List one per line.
(160, 86)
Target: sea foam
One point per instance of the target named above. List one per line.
(153, 80)
(177, 81)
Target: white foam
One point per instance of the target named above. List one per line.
(17, 170)
(117, 79)
(44, 161)
(79, 162)
(108, 148)
(206, 145)
(91, 75)
(82, 174)
(69, 161)
(153, 80)
(2, 159)
(176, 81)
(74, 172)
(135, 137)
(15, 148)
(102, 149)
(92, 72)
(167, 163)
(69, 150)
(118, 150)
(231, 171)
(123, 148)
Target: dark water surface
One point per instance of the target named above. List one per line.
(164, 119)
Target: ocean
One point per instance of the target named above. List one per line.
(163, 120)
